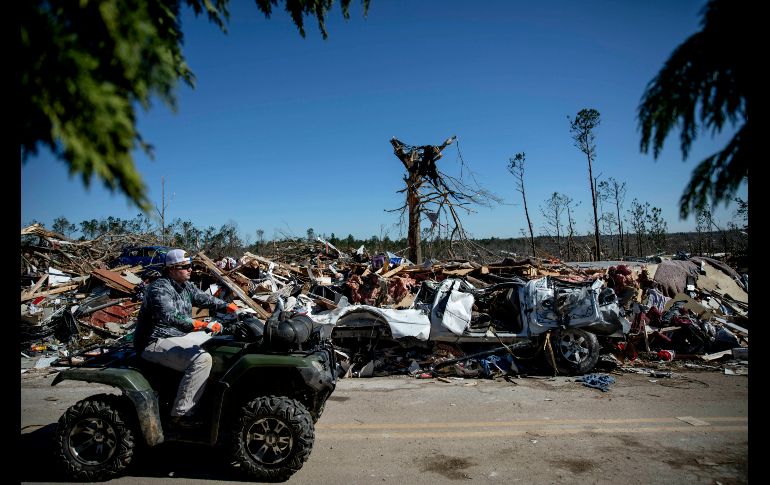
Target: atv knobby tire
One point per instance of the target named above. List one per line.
(576, 351)
(95, 438)
(272, 439)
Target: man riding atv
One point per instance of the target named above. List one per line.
(267, 386)
(166, 333)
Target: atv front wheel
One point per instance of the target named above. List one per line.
(576, 351)
(273, 438)
(94, 439)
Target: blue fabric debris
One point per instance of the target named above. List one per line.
(598, 381)
(495, 365)
(489, 365)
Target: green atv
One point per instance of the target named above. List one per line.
(268, 386)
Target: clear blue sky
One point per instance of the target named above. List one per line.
(283, 133)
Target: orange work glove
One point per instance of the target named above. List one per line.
(214, 327)
(232, 308)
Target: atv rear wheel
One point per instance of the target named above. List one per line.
(94, 438)
(576, 351)
(272, 438)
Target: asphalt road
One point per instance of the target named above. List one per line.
(691, 427)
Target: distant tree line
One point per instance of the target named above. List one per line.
(646, 234)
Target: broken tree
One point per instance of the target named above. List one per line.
(436, 194)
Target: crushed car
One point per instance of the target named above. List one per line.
(526, 315)
(141, 255)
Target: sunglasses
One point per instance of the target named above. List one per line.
(185, 267)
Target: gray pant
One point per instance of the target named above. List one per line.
(183, 354)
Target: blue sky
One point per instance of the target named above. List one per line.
(283, 133)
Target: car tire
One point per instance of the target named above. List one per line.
(95, 438)
(576, 351)
(272, 439)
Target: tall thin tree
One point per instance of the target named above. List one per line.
(516, 167)
(616, 193)
(162, 210)
(582, 130)
(570, 206)
(638, 220)
(552, 212)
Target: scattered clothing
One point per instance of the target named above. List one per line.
(598, 381)
(656, 299)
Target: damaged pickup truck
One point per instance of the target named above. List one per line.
(521, 315)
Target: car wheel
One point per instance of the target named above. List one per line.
(576, 351)
(272, 438)
(94, 438)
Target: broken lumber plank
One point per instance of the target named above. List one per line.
(34, 288)
(459, 272)
(114, 280)
(283, 266)
(232, 286)
(77, 279)
(61, 289)
(323, 302)
(239, 278)
(310, 275)
(394, 271)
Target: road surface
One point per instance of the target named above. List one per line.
(691, 427)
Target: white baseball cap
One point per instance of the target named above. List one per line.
(177, 256)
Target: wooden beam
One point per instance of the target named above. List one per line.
(395, 270)
(232, 286)
(459, 272)
(61, 289)
(114, 280)
(34, 288)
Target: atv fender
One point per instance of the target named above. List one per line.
(322, 378)
(134, 386)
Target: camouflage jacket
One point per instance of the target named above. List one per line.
(167, 308)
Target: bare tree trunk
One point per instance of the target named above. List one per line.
(596, 216)
(529, 223)
(413, 200)
(162, 211)
(620, 231)
(570, 233)
(582, 132)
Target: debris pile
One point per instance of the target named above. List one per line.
(384, 310)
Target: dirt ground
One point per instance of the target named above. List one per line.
(670, 425)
